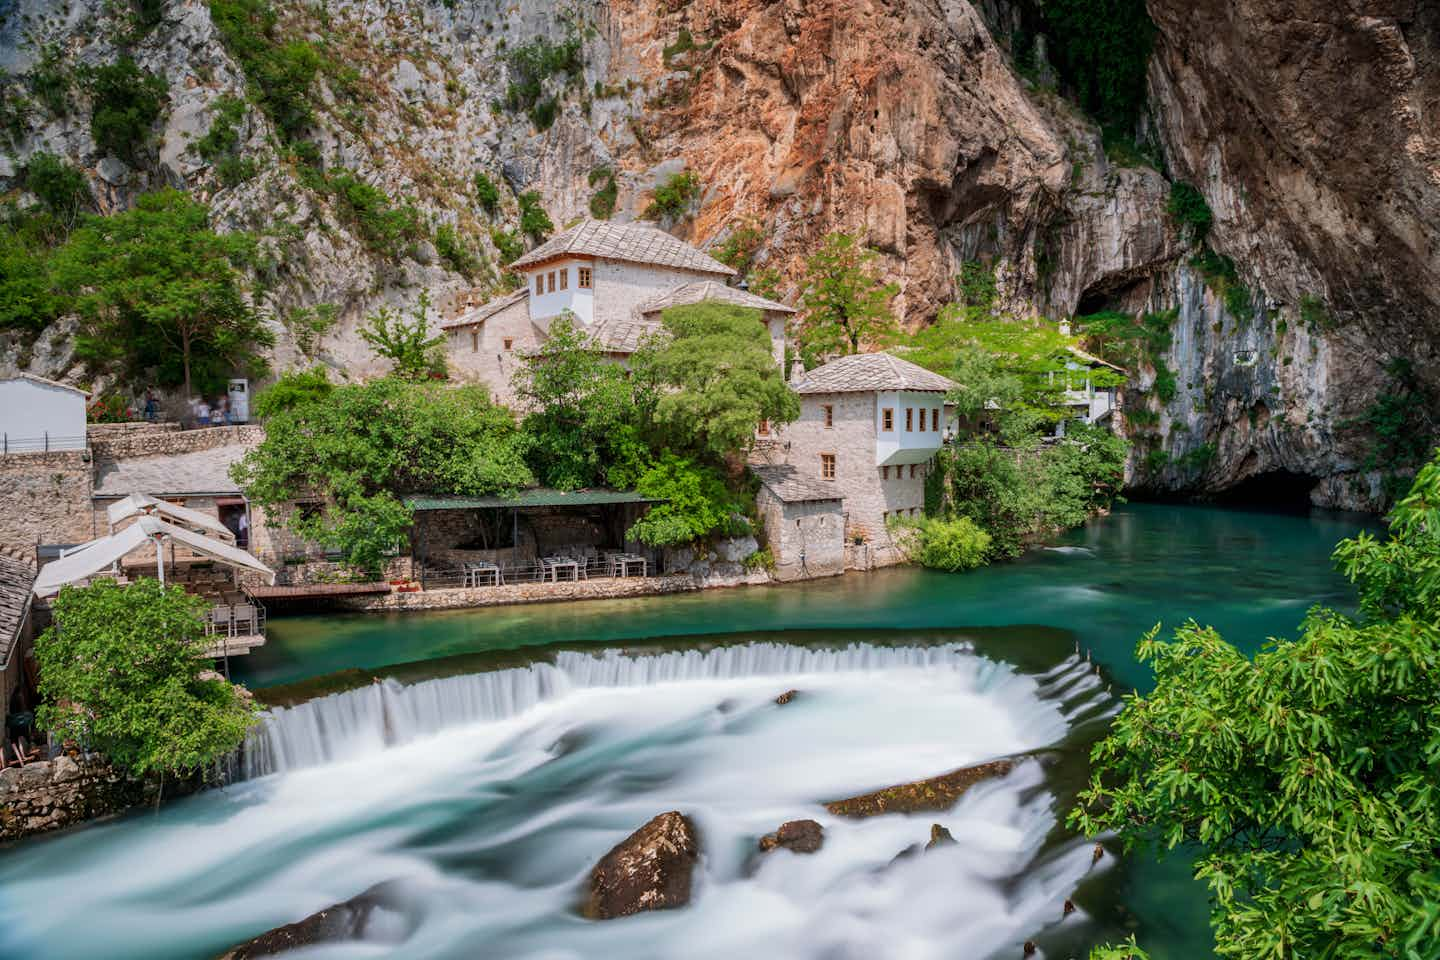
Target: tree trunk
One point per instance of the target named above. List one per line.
(185, 356)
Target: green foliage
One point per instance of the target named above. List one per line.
(61, 189)
(507, 243)
(762, 559)
(674, 197)
(414, 353)
(456, 253)
(16, 114)
(583, 428)
(534, 221)
(602, 201)
(1127, 340)
(487, 194)
(1314, 314)
(684, 43)
(1016, 496)
(1222, 276)
(1101, 49)
(29, 301)
(126, 102)
(292, 390)
(1400, 425)
(1188, 208)
(389, 230)
(280, 72)
(360, 448)
(844, 303)
(1200, 458)
(221, 143)
(954, 545)
(1124, 951)
(740, 247)
(529, 67)
(308, 325)
(120, 673)
(1304, 779)
(978, 288)
(696, 504)
(1165, 385)
(51, 79)
(158, 289)
(718, 379)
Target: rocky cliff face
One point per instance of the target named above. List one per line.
(1310, 131)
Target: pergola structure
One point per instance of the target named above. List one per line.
(87, 560)
(144, 505)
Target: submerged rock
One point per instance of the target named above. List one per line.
(343, 921)
(648, 870)
(800, 836)
(936, 793)
(939, 837)
(787, 696)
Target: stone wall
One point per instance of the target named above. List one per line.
(807, 538)
(463, 597)
(52, 794)
(163, 439)
(476, 353)
(45, 498)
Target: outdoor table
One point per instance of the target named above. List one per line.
(620, 564)
(483, 570)
(553, 565)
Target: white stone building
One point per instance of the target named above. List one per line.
(869, 425)
(39, 415)
(614, 278)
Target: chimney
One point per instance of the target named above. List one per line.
(797, 370)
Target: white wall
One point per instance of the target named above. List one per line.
(908, 446)
(621, 287)
(577, 301)
(30, 410)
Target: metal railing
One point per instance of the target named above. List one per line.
(449, 576)
(45, 443)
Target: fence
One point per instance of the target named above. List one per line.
(41, 444)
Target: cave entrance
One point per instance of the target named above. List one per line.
(1274, 490)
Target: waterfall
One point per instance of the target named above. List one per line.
(347, 725)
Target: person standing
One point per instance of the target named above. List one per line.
(222, 410)
(150, 404)
(202, 414)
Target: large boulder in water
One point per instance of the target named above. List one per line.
(343, 921)
(648, 870)
(936, 793)
(801, 836)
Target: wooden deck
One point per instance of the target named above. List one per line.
(304, 590)
(234, 646)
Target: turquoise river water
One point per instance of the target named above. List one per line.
(513, 746)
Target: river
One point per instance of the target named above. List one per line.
(489, 796)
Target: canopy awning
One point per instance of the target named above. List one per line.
(142, 504)
(101, 554)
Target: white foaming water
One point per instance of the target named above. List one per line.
(490, 797)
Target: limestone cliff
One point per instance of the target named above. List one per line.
(1309, 129)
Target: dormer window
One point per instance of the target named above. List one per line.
(584, 278)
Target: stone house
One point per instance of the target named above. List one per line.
(16, 633)
(614, 278)
(869, 425)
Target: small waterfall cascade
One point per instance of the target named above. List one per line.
(356, 723)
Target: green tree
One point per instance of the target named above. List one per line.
(718, 377)
(414, 353)
(844, 302)
(63, 191)
(294, 389)
(534, 221)
(358, 449)
(120, 671)
(583, 426)
(126, 103)
(487, 195)
(1305, 779)
(695, 502)
(158, 288)
(674, 197)
(308, 325)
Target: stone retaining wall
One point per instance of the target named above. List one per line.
(163, 439)
(52, 794)
(45, 497)
(462, 597)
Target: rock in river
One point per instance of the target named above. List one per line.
(343, 921)
(936, 793)
(801, 836)
(648, 870)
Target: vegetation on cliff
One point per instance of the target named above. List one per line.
(844, 301)
(121, 672)
(1305, 778)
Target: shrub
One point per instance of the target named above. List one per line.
(673, 198)
(456, 252)
(486, 193)
(696, 503)
(126, 103)
(280, 73)
(387, 229)
(1165, 385)
(602, 201)
(1188, 208)
(507, 244)
(530, 65)
(534, 221)
(62, 190)
(977, 285)
(684, 43)
(221, 143)
(1222, 276)
(50, 80)
(954, 545)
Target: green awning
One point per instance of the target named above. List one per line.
(534, 497)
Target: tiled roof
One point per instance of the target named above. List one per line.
(786, 483)
(478, 314)
(624, 336)
(185, 474)
(49, 383)
(631, 242)
(864, 372)
(702, 290)
(16, 579)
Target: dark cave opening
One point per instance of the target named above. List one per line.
(1274, 490)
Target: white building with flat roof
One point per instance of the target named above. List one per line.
(37, 415)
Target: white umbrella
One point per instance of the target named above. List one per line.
(142, 504)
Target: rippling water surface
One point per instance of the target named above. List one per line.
(488, 796)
